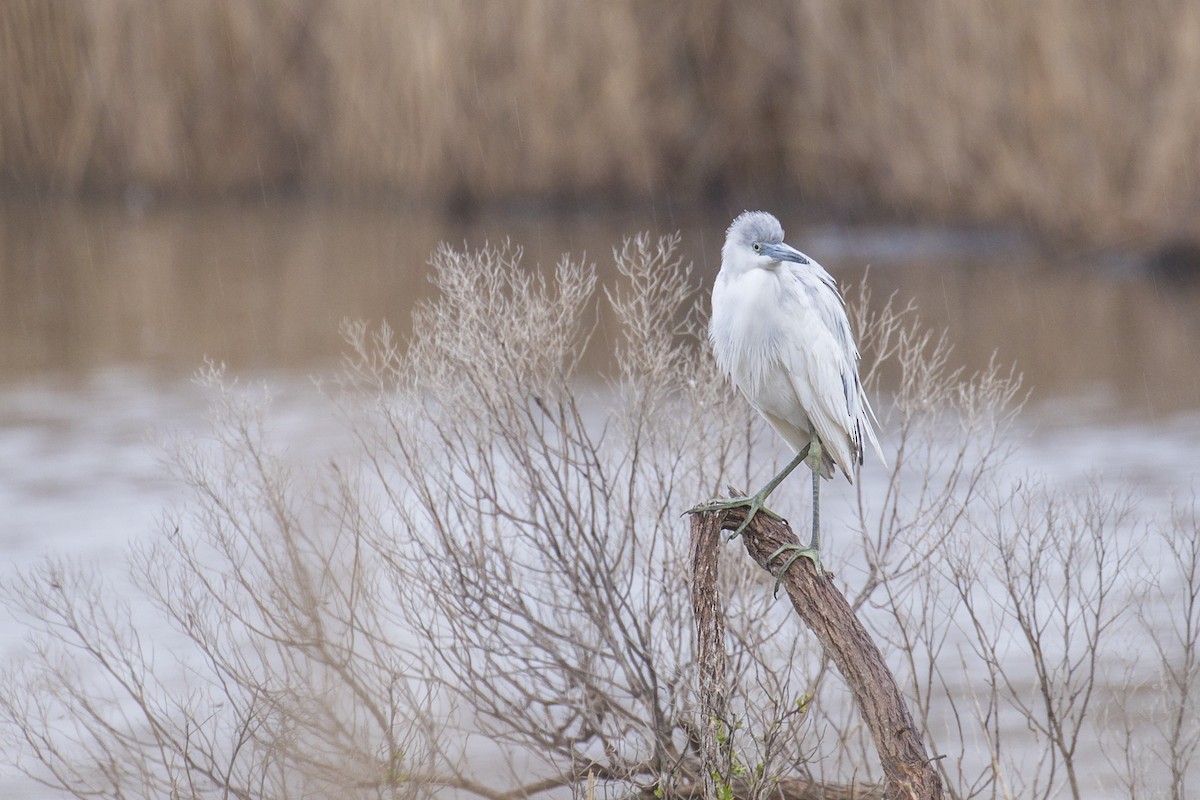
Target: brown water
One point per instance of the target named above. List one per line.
(264, 287)
(105, 314)
(107, 311)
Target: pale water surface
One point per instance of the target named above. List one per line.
(106, 314)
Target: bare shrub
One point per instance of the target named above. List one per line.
(1176, 641)
(486, 590)
(498, 562)
(1158, 714)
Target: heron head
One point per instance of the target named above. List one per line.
(755, 240)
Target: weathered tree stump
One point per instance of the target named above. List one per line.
(908, 769)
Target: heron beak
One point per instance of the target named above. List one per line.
(784, 252)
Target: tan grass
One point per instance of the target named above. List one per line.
(1071, 117)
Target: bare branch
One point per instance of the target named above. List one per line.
(906, 766)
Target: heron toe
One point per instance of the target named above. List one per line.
(754, 504)
(810, 552)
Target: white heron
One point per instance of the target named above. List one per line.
(779, 331)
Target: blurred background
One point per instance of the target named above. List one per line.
(230, 179)
(1066, 117)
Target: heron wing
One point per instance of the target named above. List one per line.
(858, 407)
(822, 362)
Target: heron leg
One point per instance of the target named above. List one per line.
(813, 550)
(754, 503)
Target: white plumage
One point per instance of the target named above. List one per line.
(779, 330)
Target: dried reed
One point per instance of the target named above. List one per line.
(1072, 118)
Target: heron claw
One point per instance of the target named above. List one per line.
(810, 552)
(753, 503)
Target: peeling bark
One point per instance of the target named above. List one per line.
(908, 770)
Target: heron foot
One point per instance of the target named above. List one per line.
(811, 552)
(753, 503)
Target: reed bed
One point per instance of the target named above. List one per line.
(1070, 117)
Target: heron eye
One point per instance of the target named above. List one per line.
(757, 247)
